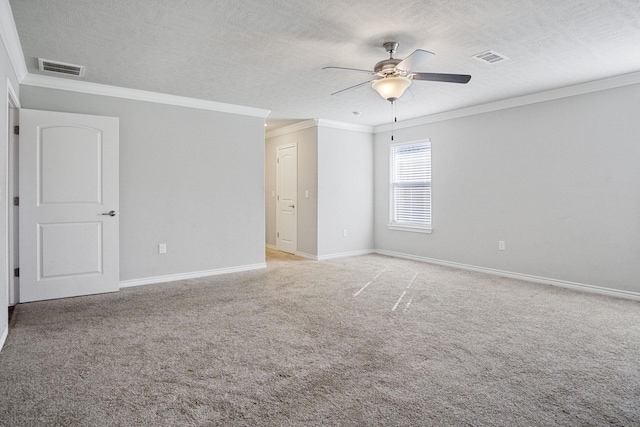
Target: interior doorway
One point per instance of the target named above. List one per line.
(286, 197)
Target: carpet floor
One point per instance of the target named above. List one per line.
(362, 341)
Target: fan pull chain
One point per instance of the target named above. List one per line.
(395, 118)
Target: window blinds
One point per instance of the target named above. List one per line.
(411, 184)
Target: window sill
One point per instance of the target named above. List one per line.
(412, 228)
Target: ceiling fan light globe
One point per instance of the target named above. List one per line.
(391, 88)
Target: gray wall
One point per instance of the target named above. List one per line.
(190, 178)
(345, 191)
(558, 181)
(307, 143)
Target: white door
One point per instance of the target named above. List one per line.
(69, 243)
(286, 200)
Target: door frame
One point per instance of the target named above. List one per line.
(13, 116)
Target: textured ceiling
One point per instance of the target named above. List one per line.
(269, 53)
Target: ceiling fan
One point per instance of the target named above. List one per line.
(393, 76)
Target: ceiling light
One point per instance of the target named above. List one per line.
(391, 88)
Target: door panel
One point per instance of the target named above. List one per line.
(63, 178)
(286, 188)
(69, 245)
(56, 263)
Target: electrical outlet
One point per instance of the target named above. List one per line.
(344, 233)
(162, 248)
(501, 245)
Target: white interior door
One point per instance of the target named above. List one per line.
(69, 243)
(286, 199)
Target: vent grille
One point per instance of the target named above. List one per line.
(490, 57)
(61, 67)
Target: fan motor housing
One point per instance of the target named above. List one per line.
(387, 66)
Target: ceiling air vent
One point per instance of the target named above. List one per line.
(61, 67)
(490, 57)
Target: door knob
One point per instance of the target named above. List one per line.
(292, 206)
(110, 213)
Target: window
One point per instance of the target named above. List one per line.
(410, 197)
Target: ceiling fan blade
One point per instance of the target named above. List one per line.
(349, 69)
(416, 58)
(437, 77)
(352, 87)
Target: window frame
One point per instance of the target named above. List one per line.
(416, 227)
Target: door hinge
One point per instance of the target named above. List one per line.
(278, 161)
(16, 272)
(16, 201)
(16, 130)
(277, 234)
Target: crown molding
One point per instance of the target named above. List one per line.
(48, 82)
(305, 124)
(319, 123)
(550, 95)
(11, 41)
(344, 126)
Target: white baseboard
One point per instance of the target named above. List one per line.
(526, 277)
(193, 275)
(4, 336)
(271, 246)
(345, 254)
(307, 256)
(335, 256)
(330, 256)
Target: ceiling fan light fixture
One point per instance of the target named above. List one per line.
(391, 88)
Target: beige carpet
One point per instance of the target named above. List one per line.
(359, 341)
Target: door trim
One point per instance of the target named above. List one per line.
(12, 191)
(12, 105)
